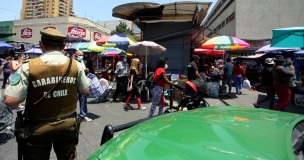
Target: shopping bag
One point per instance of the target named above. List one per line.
(246, 84)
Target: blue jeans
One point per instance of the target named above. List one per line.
(227, 79)
(83, 105)
(238, 80)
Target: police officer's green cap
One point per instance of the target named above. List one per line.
(52, 34)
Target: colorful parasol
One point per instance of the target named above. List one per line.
(208, 52)
(225, 43)
(120, 40)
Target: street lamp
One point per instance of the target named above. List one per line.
(90, 30)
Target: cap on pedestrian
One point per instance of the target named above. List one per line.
(269, 61)
(52, 34)
(195, 56)
(124, 56)
(279, 58)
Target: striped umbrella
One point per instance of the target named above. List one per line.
(119, 40)
(225, 43)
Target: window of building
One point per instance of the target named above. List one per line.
(223, 24)
(47, 16)
(52, 8)
(230, 18)
(47, 5)
(47, 12)
(218, 28)
(47, 9)
(53, 5)
(47, 1)
(210, 35)
(52, 12)
(52, 16)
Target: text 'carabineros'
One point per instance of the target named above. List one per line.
(53, 80)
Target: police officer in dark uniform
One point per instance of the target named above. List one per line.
(52, 121)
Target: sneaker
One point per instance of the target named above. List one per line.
(142, 108)
(87, 119)
(256, 105)
(240, 92)
(228, 95)
(127, 107)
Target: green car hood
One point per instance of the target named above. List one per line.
(208, 133)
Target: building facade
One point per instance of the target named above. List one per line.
(36, 9)
(253, 21)
(28, 31)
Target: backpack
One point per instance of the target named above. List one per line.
(150, 83)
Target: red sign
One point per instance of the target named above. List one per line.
(97, 36)
(49, 27)
(77, 31)
(259, 44)
(26, 33)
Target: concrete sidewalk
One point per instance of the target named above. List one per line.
(104, 113)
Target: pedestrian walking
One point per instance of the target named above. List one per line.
(83, 99)
(6, 70)
(16, 64)
(158, 91)
(53, 121)
(281, 82)
(192, 70)
(238, 76)
(227, 76)
(267, 79)
(90, 65)
(121, 73)
(133, 89)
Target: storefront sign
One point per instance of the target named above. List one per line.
(26, 33)
(97, 36)
(49, 27)
(259, 44)
(76, 31)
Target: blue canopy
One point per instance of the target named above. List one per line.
(298, 53)
(34, 51)
(5, 45)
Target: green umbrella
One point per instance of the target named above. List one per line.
(288, 37)
(85, 46)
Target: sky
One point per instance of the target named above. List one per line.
(96, 10)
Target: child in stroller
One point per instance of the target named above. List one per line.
(193, 93)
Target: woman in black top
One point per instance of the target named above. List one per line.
(133, 89)
(267, 78)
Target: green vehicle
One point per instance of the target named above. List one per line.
(219, 133)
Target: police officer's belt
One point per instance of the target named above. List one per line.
(51, 120)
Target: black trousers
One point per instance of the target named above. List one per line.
(122, 83)
(6, 75)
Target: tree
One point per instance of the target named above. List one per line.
(122, 28)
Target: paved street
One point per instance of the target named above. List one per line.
(104, 113)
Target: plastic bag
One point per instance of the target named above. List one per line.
(246, 84)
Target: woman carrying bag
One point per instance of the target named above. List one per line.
(133, 89)
(158, 90)
(238, 75)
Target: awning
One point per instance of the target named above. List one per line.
(208, 52)
(4, 35)
(153, 12)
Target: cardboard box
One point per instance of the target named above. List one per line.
(299, 99)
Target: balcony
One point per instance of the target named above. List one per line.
(62, 13)
(62, 9)
(40, 4)
(63, 1)
(62, 4)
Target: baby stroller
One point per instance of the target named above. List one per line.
(193, 94)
